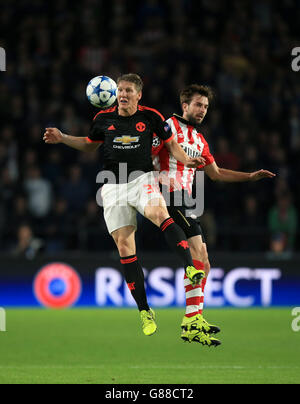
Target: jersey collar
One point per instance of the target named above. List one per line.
(181, 119)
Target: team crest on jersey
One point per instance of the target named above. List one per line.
(140, 127)
(180, 138)
(57, 285)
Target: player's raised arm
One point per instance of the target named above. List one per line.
(216, 173)
(181, 155)
(55, 136)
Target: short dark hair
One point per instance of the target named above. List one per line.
(132, 78)
(187, 94)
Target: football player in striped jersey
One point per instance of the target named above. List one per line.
(195, 101)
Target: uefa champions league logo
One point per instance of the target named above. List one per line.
(2, 320)
(2, 60)
(57, 285)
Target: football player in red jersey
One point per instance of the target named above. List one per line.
(195, 101)
(126, 132)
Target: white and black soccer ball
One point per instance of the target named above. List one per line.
(101, 91)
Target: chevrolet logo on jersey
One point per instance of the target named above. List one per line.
(125, 140)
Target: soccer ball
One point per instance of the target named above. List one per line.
(101, 91)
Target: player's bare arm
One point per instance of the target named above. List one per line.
(180, 155)
(55, 136)
(216, 173)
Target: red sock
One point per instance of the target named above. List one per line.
(193, 295)
(201, 305)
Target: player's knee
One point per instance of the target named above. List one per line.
(125, 247)
(158, 215)
(125, 250)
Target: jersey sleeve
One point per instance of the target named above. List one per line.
(96, 134)
(162, 128)
(206, 154)
(157, 145)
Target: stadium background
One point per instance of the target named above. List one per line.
(48, 211)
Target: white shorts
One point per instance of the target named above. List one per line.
(122, 201)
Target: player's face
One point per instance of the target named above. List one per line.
(196, 111)
(128, 97)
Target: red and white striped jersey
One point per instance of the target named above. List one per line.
(192, 142)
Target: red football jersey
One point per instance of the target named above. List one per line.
(192, 142)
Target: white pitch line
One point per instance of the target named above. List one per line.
(215, 367)
(150, 367)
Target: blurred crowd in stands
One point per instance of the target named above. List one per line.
(240, 48)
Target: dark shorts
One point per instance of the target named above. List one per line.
(190, 226)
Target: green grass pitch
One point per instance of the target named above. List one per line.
(106, 346)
